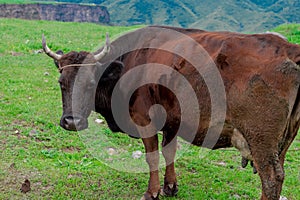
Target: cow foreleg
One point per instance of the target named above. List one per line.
(152, 158)
(169, 145)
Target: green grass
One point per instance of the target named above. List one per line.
(59, 164)
(291, 31)
(15, 1)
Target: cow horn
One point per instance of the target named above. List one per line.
(105, 49)
(48, 51)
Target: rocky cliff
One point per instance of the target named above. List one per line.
(58, 12)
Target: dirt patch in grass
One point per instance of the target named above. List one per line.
(71, 149)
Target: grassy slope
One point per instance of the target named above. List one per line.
(58, 164)
(14, 1)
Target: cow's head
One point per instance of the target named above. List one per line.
(78, 84)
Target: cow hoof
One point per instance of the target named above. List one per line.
(170, 190)
(148, 196)
(254, 169)
(244, 162)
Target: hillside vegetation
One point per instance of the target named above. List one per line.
(58, 163)
(231, 15)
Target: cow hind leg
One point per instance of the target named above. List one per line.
(272, 176)
(169, 147)
(152, 158)
(270, 170)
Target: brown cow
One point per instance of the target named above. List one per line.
(245, 94)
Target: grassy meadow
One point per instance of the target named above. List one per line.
(58, 163)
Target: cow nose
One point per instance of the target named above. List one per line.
(71, 120)
(72, 123)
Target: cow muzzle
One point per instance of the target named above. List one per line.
(71, 123)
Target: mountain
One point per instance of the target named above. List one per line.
(231, 15)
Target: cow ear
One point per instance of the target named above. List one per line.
(221, 59)
(60, 52)
(113, 71)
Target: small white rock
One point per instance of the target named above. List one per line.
(46, 74)
(111, 151)
(136, 154)
(283, 198)
(236, 196)
(99, 121)
(221, 163)
(38, 51)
